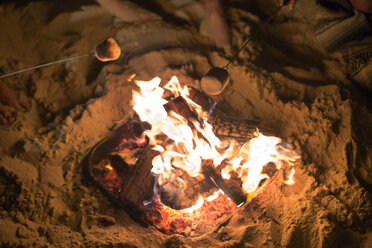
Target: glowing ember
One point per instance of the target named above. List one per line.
(199, 221)
(108, 176)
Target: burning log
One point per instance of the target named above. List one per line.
(242, 130)
(127, 185)
(224, 126)
(179, 106)
(234, 191)
(139, 182)
(202, 99)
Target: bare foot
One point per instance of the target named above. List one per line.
(127, 11)
(214, 24)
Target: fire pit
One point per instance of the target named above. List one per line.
(179, 167)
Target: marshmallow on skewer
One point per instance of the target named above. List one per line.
(107, 50)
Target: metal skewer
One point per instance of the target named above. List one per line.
(107, 50)
(226, 67)
(217, 78)
(91, 53)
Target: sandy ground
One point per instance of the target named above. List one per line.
(283, 80)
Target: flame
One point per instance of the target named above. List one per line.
(187, 149)
(109, 167)
(184, 143)
(214, 196)
(197, 205)
(258, 152)
(131, 77)
(290, 180)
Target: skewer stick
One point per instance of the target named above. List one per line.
(217, 78)
(45, 65)
(107, 50)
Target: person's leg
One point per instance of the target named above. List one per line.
(214, 25)
(335, 28)
(348, 31)
(358, 59)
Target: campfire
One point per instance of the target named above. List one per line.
(168, 168)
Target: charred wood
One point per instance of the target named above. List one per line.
(232, 189)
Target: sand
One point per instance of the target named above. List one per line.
(284, 80)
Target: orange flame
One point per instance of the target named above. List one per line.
(188, 149)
